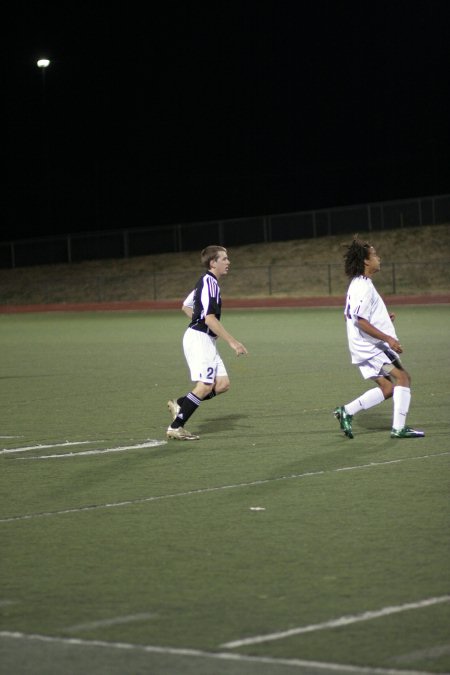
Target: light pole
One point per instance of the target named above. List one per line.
(43, 64)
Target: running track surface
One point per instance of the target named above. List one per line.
(231, 303)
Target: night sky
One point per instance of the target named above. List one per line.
(210, 110)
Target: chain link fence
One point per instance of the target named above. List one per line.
(306, 280)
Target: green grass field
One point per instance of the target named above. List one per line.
(272, 545)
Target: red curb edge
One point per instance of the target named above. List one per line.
(230, 303)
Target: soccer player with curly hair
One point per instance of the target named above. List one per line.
(373, 344)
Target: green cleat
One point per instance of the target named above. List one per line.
(407, 432)
(345, 421)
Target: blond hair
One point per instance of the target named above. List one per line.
(210, 253)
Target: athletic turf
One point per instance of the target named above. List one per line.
(260, 548)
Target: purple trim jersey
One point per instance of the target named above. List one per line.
(206, 300)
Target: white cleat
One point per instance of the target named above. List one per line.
(181, 434)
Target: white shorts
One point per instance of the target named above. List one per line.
(202, 357)
(379, 365)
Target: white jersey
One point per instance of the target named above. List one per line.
(364, 302)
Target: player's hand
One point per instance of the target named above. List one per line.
(240, 349)
(395, 345)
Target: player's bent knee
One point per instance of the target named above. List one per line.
(387, 388)
(404, 381)
(222, 387)
(202, 389)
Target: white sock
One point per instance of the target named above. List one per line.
(402, 399)
(365, 401)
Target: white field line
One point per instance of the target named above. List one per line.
(44, 447)
(219, 656)
(122, 448)
(219, 488)
(116, 621)
(424, 654)
(337, 623)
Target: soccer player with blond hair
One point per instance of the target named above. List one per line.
(203, 306)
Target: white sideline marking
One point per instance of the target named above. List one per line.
(336, 623)
(44, 447)
(118, 620)
(122, 448)
(421, 654)
(219, 488)
(222, 656)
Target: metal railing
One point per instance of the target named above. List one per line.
(306, 280)
(177, 238)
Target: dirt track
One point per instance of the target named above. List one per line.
(232, 303)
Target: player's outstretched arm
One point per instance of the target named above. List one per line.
(221, 332)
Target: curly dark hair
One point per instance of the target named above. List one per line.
(357, 252)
